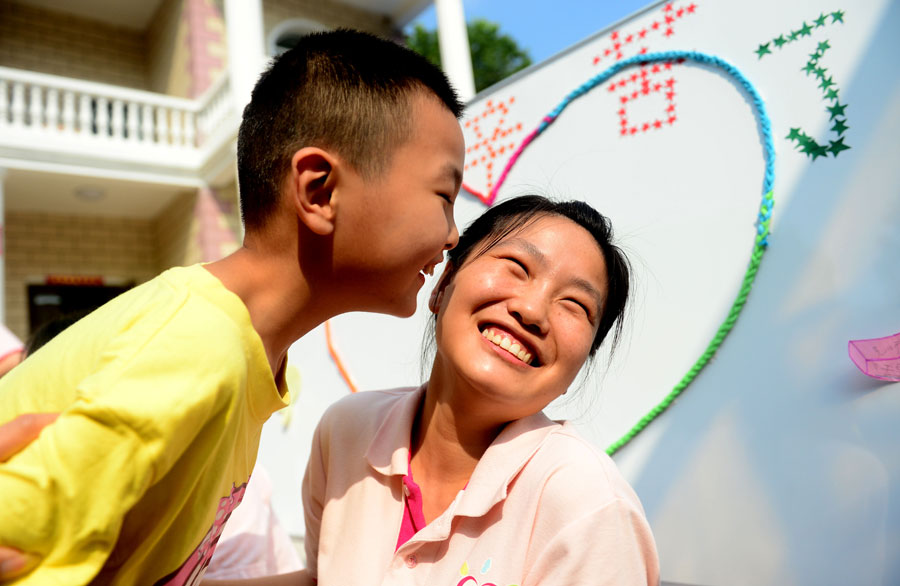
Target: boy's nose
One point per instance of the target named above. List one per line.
(452, 237)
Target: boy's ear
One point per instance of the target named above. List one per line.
(311, 184)
(437, 295)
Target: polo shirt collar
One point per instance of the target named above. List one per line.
(388, 453)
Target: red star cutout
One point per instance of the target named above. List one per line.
(668, 7)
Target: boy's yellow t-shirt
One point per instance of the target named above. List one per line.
(162, 393)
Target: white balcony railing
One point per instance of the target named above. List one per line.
(58, 113)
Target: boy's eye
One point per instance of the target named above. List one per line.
(446, 197)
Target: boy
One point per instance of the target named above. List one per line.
(349, 159)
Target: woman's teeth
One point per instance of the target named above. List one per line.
(512, 347)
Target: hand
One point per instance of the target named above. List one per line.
(21, 431)
(14, 436)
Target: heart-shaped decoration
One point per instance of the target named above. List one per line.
(763, 220)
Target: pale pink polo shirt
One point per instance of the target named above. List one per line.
(543, 507)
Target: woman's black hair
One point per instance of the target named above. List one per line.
(512, 215)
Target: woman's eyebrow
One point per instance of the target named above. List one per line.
(588, 288)
(529, 249)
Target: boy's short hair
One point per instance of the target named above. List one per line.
(344, 90)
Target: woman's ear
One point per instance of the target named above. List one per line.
(311, 185)
(437, 295)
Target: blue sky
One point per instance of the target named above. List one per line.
(545, 28)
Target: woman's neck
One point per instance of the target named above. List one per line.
(447, 442)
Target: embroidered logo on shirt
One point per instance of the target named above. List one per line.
(469, 580)
(191, 571)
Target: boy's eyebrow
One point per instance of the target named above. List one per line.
(453, 173)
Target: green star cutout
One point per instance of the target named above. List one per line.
(837, 17)
(819, 151)
(826, 83)
(821, 20)
(814, 56)
(837, 146)
(806, 143)
(794, 134)
(810, 67)
(824, 46)
(820, 72)
(805, 30)
(780, 41)
(837, 110)
(831, 94)
(794, 35)
(839, 127)
(763, 50)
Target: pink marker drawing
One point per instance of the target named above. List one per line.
(878, 358)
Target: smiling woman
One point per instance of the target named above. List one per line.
(465, 480)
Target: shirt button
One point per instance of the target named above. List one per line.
(406, 490)
(411, 561)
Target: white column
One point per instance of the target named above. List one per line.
(454, 42)
(2, 248)
(246, 48)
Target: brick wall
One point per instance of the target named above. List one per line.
(60, 44)
(38, 245)
(167, 51)
(175, 233)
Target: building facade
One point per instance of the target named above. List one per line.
(118, 124)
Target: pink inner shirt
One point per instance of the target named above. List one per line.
(413, 514)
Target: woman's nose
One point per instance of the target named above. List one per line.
(530, 307)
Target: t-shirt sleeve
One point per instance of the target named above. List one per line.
(65, 496)
(314, 483)
(610, 546)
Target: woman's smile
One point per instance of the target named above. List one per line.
(511, 346)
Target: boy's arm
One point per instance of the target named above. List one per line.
(14, 436)
(65, 496)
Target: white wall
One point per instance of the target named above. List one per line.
(781, 463)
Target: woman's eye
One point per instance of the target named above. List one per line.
(579, 306)
(518, 265)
